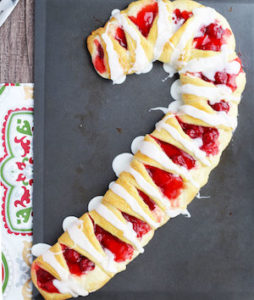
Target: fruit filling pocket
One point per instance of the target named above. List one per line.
(180, 17)
(211, 37)
(177, 155)
(77, 263)
(145, 17)
(45, 280)
(208, 135)
(121, 250)
(169, 184)
(139, 226)
(99, 58)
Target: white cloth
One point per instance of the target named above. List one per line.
(6, 7)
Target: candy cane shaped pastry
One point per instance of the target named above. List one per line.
(171, 164)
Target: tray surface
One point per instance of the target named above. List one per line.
(82, 122)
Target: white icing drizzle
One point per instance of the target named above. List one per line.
(121, 162)
(128, 232)
(163, 109)
(175, 92)
(213, 93)
(198, 142)
(218, 118)
(121, 192)
(202, 197)
(190, 145)
(111, 259)
(142, 64)
(94, 202)
(68, 284)
(202, 16)
(79, 238)
(68, 221)
(174, 107)
(155, 153)
(49, 257)
(116, 69)
(39, 249)
(233, 67)
(168, 68)
(150, 190)
(212, 64)
(179, 211)
(164, 28)
(208, 66)
(166, 78)
(135, 145)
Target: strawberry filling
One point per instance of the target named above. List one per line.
(77, 263)
(121, 37)
(180, 17)
(139, 226)
(169, 184)
(177, 155)
(220, 106)
(99, 58)
(120, 249)
(209, 136)
(211, 37)
(45, 280)
(145, 17)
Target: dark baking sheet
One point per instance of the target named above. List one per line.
(83, 121)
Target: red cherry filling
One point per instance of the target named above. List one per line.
(212, 37)
(77, 263)
(120, 249)
(181, 16)
(145, 17)
(222, 77)
(208, 135)
(177, 155)
(148, 201)
(45, 280)
(139, 226)
(157, 212)
(99, 59)
(220, 106)
(120, 37)
(169, 183)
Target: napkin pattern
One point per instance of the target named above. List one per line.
(16, 183)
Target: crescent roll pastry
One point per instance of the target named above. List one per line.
(171, 164)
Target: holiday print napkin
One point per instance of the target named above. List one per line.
(16, 183)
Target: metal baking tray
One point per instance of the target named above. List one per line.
(83, 121)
